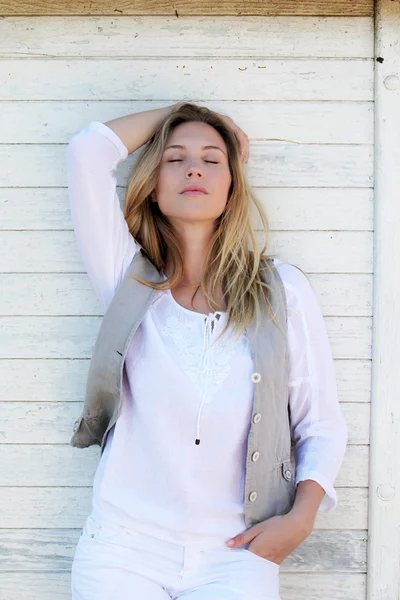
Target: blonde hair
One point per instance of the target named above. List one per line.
(229, 261)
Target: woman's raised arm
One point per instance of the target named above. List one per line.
(134, 130)
(93, 155)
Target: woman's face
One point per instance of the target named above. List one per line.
(193, 163)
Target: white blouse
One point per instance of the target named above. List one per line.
(178, 386)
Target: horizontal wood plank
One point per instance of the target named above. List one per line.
(74, 337)
(23, 122)
(313, 208)
(54, 380)
(353, 380)
(310, 586)
(192, 37)
(307, 586)
(181, 8)
(299, 248)
(53, 549)
(183, 78)
(287, 209)
(55, 465)
(71, 294)
(57, 251)
(68, 507)
(272, 164)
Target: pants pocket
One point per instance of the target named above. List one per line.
(108, 534)
(258, 557)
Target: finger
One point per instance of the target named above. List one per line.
(238, 540)
(241, 538)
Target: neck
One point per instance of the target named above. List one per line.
(194, 244)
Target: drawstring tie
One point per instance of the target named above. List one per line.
(208, 361)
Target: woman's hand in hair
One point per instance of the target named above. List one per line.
(241, 135)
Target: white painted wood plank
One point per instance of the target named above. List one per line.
(351, 511)
(72, 294)
(329, 553)
(54, 380)
(357, 416)
(52, 337)
(346, 209)
(51, 294)
(343, 295)
(57, 251)
(74, 337)
(288, 209)
(310, 586)
(384, 517)
(353, 380)
(53, 549)
(341, 252)
(62, 465)
(23, 122)
(350, 337)
(68, 507)
(192, 37)
(271, 164)
(307, 586)
(33, 422)
(310, 165)
(175, 79)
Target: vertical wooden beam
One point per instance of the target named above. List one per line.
(383, 579)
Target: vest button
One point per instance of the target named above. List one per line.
(255, 456)
(253, 496)
(288, 475)
(256, 377)
(257, 418)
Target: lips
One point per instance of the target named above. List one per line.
(194, 188)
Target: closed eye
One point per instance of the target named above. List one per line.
(214, 162)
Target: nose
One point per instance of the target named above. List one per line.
(193, 169)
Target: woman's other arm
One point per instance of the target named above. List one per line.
(317, 423)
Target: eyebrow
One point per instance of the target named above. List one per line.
(203, 148)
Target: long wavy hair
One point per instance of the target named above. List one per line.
(228, 261)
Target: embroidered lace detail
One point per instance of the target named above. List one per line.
(205, 360)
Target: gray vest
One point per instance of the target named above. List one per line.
(270, 468)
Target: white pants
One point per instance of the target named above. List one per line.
(118, 563)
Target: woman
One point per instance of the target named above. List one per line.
(164, 507)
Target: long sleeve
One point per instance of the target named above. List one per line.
(317, 423)
(106, 246)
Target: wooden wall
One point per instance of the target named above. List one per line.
(302, 88)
